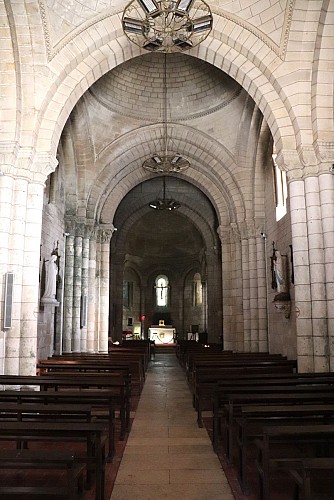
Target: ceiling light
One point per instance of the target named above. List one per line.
(164, 203)
(167, 26)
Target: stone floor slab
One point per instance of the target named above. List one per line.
(167, 455)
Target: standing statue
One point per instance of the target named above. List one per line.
(278, 269)
(51, 277)
(279, 272)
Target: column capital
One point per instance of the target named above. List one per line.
(235, 235)
(223, 233)
(325, 154)
(8, 154)
(24, 162)
(43, 164)
(309, 160)
(80, 229)
(105, 233)
(247, 229)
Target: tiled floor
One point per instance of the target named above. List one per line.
(167, 456)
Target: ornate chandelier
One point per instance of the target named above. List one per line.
(164, 203)
(167, 26)
(165, 162)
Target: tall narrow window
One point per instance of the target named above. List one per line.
(128, 294)
(281, 190)
(197, 290)
(161, 291)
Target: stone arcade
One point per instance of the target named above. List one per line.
(250, 108)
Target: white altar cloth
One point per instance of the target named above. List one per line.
(162, 334)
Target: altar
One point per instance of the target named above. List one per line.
(162, 334)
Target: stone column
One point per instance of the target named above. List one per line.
(214, 297)
(227, 299)
(97, 294)
(205, 305)
(326, 184)
(77, 273)
(91, 312)
(253, 291)
(105, 235)
(68, 290)
(290, 161)
(317, 275)
(245, 292)
(30, 279)
(21, 206)
(262, 293)
(13, 206)
(302, 275)
(237, 265)
(84, 290)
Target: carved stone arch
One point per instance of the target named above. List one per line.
(75, 77)
(112, 187)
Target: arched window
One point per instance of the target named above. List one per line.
(161, 290)
(197, 290)
(281, 190)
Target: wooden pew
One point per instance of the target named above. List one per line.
(93, 433)
(195, 358)
(213, 364)
(254, 418)
(301, 470)
(115, 384)
(208, 380)
(44, 460)
(266, 461)
(226, 405)
(120, 353)
(132, 369)
(96, 399)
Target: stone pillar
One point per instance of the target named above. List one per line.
(105, 235)
(30, 279)
(317, 275)
(205, 305)
(237, 312)
(77, 274)
(68, 291)
(311, 205)
(253, 292)
(326, 184)
(6, 190)
(302, 275)
(16, 213)
(91, 308)
(21, 206)
(227, 299)
(84, 290)
(214, 297)
(262, 293)
(245, 294)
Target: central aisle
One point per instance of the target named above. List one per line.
(167, 456)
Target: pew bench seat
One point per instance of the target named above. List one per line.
(71, 488)
(319, 437)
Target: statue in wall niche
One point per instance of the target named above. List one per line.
(279, 272)
(51, 267)
(282, 300)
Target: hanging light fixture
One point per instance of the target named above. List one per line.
(167, 26)
(166, 162)
(164, 203)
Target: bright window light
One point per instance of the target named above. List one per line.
(281, 191)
